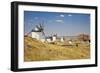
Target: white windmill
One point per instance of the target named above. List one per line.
(38, 32)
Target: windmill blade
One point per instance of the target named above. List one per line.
(38, 27)
(41, 24)
(41, 28)
(43, 33)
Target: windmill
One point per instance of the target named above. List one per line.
(37, 32)
(40, 28)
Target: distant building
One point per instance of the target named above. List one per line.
(54, 38)
(62, 39)
(48, 39)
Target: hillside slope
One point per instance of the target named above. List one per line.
(37, 51)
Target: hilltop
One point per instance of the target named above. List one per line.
(35, 50)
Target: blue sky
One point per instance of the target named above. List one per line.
(62, 24)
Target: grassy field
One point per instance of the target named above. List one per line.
(35, 50)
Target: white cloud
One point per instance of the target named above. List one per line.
(69, 15)
(61, 15)
(60, 21)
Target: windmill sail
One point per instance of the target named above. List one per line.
(38, 28)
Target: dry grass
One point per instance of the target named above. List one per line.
(38, 51)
